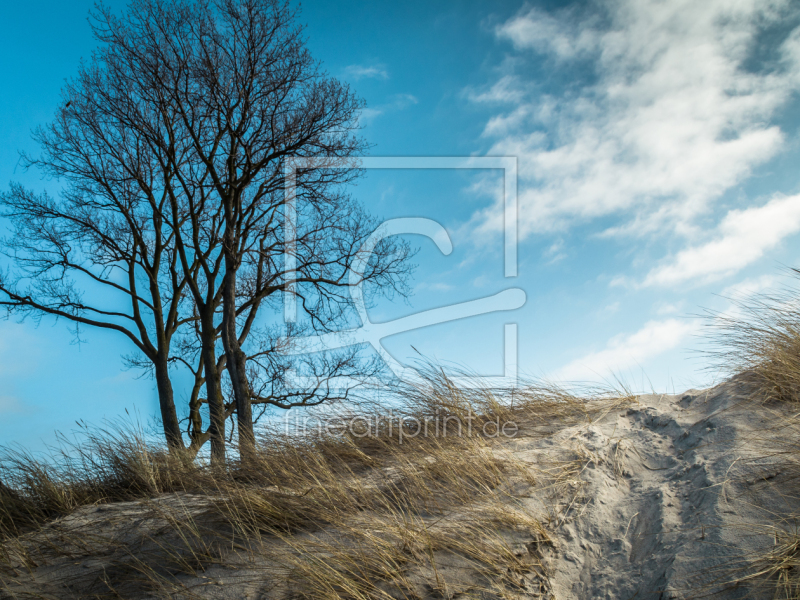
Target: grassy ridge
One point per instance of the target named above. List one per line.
(320, 516)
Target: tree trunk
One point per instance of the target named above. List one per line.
(237, 363)
(166, 402)
(216, 406)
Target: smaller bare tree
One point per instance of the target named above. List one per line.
(100, 255)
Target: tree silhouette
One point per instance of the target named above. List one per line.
(174, 143)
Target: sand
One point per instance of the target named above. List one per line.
(671, 496)
(695, 503)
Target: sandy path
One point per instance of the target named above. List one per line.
(679, 511)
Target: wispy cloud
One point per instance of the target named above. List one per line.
(562, 35)
(506, 89)
(369, 114)
(625, 351)
(555, 252)
(742, 237)
(669, 308)
(750, 286)
(401, 101)
(366, 72)
(395, 102)
(673, 116)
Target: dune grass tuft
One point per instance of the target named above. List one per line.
(758, 339)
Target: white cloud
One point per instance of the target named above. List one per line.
(366, 72)
(401, 101)
(504, 123)
(625, 351)
(546, 33)
(742, 237)
(672, 120)
(609, 309)
(396, 102)
(555, 252)
(506, 89)
(369, 114)
(669, 308)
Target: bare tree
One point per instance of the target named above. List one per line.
(236, 95)
(103, 239)
(192, 108)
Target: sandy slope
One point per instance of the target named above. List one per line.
(688, 508)
(670, 497)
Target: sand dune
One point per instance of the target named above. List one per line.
(660, 496)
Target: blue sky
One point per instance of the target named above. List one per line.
(657, 145)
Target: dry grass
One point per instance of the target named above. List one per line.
(319, 516)
(102, 465)
(760, 339)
